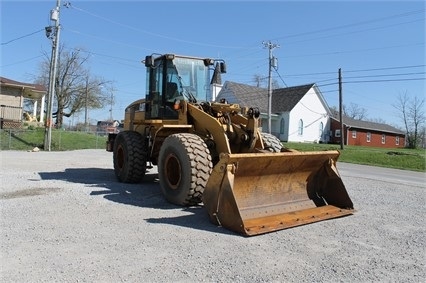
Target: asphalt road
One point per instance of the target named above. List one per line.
(65, 218)
(382, 174)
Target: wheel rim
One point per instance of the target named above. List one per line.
(172, 171)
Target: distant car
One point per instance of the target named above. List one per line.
(107, 127)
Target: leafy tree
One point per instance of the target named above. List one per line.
(76, 88)
(413, 116)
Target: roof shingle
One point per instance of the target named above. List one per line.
(367, 125)
(283, 99)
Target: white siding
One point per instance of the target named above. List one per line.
(312, 109)
(312, 112)
(286, 117)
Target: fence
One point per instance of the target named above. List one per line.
(26, 139)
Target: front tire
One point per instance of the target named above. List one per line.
(271, 142)
(184, 168)
(129, 157)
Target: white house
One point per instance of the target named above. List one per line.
(12, 94)
(298, 114)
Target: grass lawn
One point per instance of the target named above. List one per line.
(407, 159)
(60, 140)
(401, 158)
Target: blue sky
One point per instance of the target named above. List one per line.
(379, 45)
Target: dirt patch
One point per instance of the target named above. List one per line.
(28, 193)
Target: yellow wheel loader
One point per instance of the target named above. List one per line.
(214, 154)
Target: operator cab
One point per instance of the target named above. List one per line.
(171, 79)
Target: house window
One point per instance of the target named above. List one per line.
(321, 129)
(354, 134)
(368, 136)
(282, 126)
(397, 140)
(300, 131)
(337, 133)
(383, 139)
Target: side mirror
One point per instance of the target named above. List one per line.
(149, 62)
(222, 67)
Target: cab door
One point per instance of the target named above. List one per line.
(158, 95)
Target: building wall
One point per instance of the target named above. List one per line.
(275, 122)
(228, 95)
(11, 97)
(376, 138)
(283, 126)
(11, 102)
(360, 138)
(312, 112)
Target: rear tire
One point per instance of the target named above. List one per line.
(271, 142)
(184, 168)
(129, 157)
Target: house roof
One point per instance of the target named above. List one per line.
(34, 91)
(283, 99)
(366, 125)
(247, 95)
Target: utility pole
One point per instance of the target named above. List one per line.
(270, 46)
(86, 116)
(52, 32)
(112, 102)
(342, 135)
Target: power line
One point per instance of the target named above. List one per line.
(352, 32)
(355, 24)
(352, 71)
(385, 68)
(21, 37)
(22, 61)
(386, 75)
(276, 71)
(353, 51)
(374, 81)
(151, 33)
(390, 80)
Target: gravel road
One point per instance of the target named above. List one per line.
(65, 218)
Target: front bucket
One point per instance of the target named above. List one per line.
(256, 193)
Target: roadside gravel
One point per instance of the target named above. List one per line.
(65, 218)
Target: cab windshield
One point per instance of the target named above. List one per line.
(193, 78)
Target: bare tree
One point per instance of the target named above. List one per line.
(262, 82)
(413, 116)
(75, 87)
(354, 111)
(257, 79)
(378, 120)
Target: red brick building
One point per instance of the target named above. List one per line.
(365, 133)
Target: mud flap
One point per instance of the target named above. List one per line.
(256, 193)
